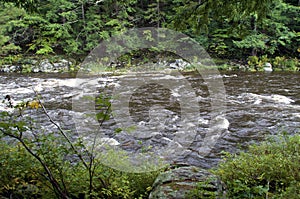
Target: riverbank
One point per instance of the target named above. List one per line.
(56, 64)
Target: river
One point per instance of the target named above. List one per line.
(257, 105)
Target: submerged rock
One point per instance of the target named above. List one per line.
(181, 183)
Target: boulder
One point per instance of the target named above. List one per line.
(186, 182)
(47, 67)
(43, 66)
(30, 65)
(62, 65)
(10, 68)
(5, 68)
(178, 64)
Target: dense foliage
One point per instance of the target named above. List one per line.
(22, 176)
(227, 29)
(268, 170)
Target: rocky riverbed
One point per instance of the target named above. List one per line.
(257, 105)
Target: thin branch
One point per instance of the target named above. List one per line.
(50, 176)
(62, 132)
(101, 123)
(90, 167)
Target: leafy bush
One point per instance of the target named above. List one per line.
(279, 62)
(23, 177)
(292, 64)
(268, 170)
(284, 63)
(252, 61)
(18, 171)
(40, 164)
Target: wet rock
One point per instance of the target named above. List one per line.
(35, 70)
(30, 65)
(10, 68)
(45, 66)
(268, 67)
(5, 68)
(117, 65)
(62, 65)
(179, 182)
(14, 68)
(178, 64)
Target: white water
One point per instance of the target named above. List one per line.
(257, 105)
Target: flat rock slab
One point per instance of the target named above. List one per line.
(181, 182)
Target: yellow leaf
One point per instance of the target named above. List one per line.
(34, 104)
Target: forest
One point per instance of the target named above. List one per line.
(244, 31)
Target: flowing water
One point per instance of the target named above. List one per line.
(257, 105)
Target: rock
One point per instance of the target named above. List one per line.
(178, 64)
(10, 68)
(35, 70)
(5, 68)
(117, 65)
(62, 65)
(268, 67)
(181, 183)
(45, 66)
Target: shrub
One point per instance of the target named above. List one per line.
(292, 64)
(253, 61)
(18, 170)
(286, 64)
(268, 170)
(23, 177)
(279, 62)
(40, 164)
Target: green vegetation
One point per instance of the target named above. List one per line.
(36, 163)
(22, 175)
(231, 29)
(270, 169)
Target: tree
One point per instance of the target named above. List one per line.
(29, 5)
(274, 35)
(8, 42)
(228, 29)
(198, 14)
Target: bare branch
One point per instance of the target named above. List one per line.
(62, 132)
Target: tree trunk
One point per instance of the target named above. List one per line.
(254, 28)
(158, 14)
(83, 12)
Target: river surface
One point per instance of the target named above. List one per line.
(152, 117)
